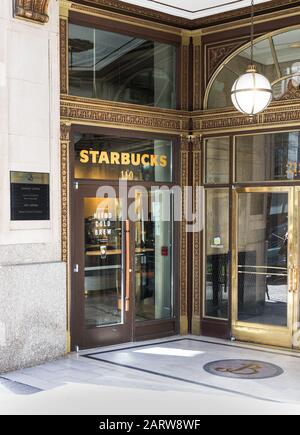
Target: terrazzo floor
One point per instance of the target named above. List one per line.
(159, 367)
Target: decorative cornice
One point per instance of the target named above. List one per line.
(212, 20)
(229, 120)
(65, 129)
(238, 14)
(138, 12)
(105, 113)
(196, 143)
(34, 10)
(185, 142)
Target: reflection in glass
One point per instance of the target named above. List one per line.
(286, 86)
(103, 262)
(217, 253)
(220, 93)
(104, 157)
(268, 157)
(287, 46)
(276, 57)
(217, 160)
(116, 67)
(262, 258)
(154, 256)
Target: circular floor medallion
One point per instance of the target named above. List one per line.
(243, 369)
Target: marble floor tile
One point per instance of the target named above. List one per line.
(174, 364)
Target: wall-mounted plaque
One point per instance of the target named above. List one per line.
(29, 196)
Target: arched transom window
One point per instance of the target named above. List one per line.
(276, 55)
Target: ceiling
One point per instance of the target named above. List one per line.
(193, 9)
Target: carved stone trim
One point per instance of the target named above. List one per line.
(111, 114)
(161, 17)
(64, 85)
(229, 120)
(197, 236)
(184, 154)
(64, 158)
(216, 54)
(35, 10)
(65, 129)
(139, 12)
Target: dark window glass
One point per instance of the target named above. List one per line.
(115, 67)
(268, 157)
(102, 157)
(217, 253)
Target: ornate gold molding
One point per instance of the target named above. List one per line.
(120, 115)
(184, 166)
(197, 236)
(138, 12)
(118, 15)
(65, 129)
(212, 20)
(216, 54)
(278, 115)
(35, 10)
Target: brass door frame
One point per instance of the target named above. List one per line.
(260, 333)
(81, 335)
(296, 253)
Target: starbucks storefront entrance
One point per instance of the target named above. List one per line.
(124, 238)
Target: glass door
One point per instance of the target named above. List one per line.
(265, 265)
(102, 271)
(123, 287)
(153, 256)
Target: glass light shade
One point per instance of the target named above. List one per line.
(251, 93)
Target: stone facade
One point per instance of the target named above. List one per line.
(32, 276)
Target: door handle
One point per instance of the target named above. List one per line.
(291, 279)
(127, 266)
(295, 279)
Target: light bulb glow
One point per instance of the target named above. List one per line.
(251, 92)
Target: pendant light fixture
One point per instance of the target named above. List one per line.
(251, 92)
